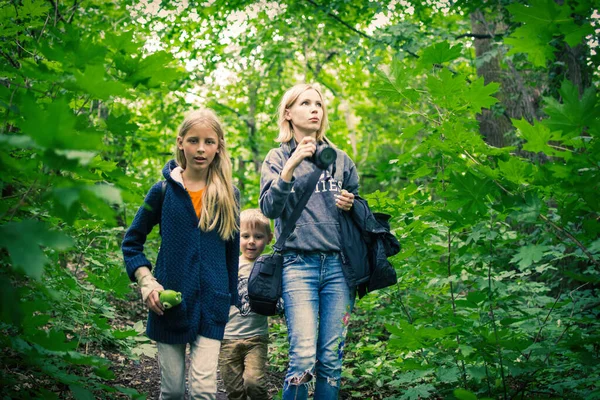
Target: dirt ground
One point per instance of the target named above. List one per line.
(144, 376)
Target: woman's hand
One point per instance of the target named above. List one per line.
(344, 200)
(305, 149)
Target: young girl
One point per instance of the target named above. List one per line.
(198, 212)
(318, 287)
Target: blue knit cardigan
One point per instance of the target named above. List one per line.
(200, 265)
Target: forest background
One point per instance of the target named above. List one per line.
(475, 124)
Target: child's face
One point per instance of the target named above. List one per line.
(200, 146)
(253, 240)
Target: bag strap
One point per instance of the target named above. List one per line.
(163, 189)
(291, 222)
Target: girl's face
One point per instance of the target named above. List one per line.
(306, 114)
(200, 145)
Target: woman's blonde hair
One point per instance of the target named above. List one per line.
(286, 130)
(219, 205)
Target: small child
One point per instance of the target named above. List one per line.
(243, 356)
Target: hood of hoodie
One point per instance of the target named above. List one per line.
(172, 172)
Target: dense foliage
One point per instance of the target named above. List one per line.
(475, 124)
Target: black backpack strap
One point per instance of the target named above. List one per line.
(163, 189)
(288, 228)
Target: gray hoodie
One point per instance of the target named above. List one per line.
(318, 227)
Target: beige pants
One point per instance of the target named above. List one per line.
(202, 375)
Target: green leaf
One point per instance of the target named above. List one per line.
(123, 42)
(480, 95)
(80, 393)
(410, 131)
(574, 33)
(147, 349)
(95, 82)
(65, 200)
(583, 278)
(543, 20)
(540, 13)
(121, 125)
(112, 279)
(7, 12)
(516, 170)
(529, 210)
(395, 85)
(462, 394)
(419, 392)
(470, 192)
(439, 53)
(122, 334)
(538, 136)
(53, 126)
(446, 89)
(151, 71)
(54, 340)
(23, 240)
(573, 115)
(128, 391)
(477, 296)
(104, 372)
(33, 8)
(10, 310)
(533, 42)
(109, 193)
(529, 255)
(447, 375)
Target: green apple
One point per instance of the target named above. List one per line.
(170, 298)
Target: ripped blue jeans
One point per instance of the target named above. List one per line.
(318, 304)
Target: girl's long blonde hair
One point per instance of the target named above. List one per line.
(286, 130)
(219, 205)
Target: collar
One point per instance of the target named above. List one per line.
(176, 175)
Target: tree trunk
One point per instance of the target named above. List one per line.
(516, 99)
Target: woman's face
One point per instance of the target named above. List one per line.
(306, 114)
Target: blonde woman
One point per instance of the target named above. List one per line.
(198, 212)
(318, 287)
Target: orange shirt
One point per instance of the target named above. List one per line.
(197, 200)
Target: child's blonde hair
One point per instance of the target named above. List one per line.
(254, 218)
(286, 130)
(219, 205)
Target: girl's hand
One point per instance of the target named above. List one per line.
(344, 200)
(153, 301)
(305, 149)
(150, 289)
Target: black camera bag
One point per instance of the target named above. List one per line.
(264, 283)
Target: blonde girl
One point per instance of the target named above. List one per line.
(197, 207)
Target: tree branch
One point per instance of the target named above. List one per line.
(74, 8)
(353, 29)
(57, 15)
(474, 36)
(568, 234)
(10, 60)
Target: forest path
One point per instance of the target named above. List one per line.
(144, 376)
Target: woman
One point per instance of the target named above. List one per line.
(316, 292)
